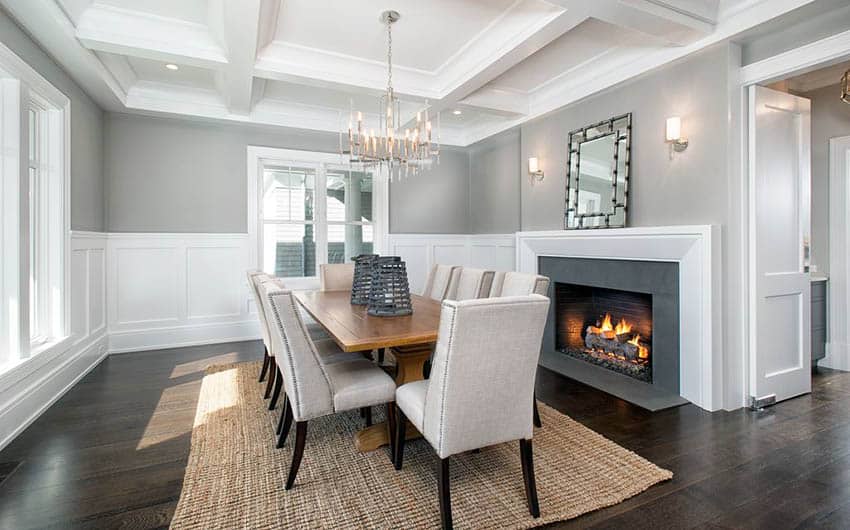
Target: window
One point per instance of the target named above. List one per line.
(310, 209)
(33, 215)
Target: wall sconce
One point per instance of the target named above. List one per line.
(534, 169)
(674, 134)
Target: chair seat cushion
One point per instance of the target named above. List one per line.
(359, 383)
(329, 352)
(410, 398)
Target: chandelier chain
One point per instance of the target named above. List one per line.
(390, 55)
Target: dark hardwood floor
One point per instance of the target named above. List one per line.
(111, 452)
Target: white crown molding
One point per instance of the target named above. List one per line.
(128, 32)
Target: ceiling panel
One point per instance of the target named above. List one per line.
(187, 10)
(427, 35)
(148, 70)
(588, 40)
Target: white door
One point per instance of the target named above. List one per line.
(780, 333)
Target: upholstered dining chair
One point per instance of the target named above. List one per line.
(253, 278)
(315, 388)
(481, 386)
(439, 279)
(336, 276)
(470, 284)
(519, 284)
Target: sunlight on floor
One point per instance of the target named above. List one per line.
(201, 364)
(218, 391)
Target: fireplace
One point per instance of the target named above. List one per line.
(607, 327)
(616, 316)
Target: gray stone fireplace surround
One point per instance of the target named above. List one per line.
(656, 278)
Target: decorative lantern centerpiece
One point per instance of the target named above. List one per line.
(363, 265)
(390, 292)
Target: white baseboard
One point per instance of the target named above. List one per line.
(181, 336)
(37, 396)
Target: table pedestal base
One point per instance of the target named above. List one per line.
(410, 361)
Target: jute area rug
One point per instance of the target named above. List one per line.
(234, 477)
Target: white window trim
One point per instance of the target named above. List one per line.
(259, 157)
(19, 85)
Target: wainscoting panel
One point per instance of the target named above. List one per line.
(29, 388)
(168, 290)
(422, 251)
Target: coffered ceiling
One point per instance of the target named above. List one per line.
(301, 63)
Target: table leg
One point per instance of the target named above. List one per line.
(410, 361)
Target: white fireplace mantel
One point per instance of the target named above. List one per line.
(696, 248)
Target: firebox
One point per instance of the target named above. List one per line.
(614, 324)
(607, 327)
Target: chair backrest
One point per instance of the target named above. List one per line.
(470, 284)
(336, 276)
(438, 281)
(518, 284)
(254, 277)
(482, 375)
(304, 379)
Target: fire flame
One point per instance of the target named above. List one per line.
(621, 328)
(643, 351)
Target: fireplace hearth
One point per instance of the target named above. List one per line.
(618, 320)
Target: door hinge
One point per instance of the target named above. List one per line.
(762, 402)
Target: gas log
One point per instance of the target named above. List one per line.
(608, 341)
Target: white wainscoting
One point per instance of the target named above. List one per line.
(421, 251)
(168, 290)
(31, 387)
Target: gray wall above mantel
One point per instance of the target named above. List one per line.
(87, 175)
(176, 175)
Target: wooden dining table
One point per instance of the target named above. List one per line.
(408, 339)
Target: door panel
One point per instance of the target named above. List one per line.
(780, 305)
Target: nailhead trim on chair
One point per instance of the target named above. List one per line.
(445, 375)
(296, 397)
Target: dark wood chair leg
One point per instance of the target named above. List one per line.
(282, 414)
(278, 382)
(366, 414)
(445, 494)
(270, 383)
(400, 432)
(265, 367)
(527, 457)
(391, 423)
(300, 440)
(537, 422)
(287, 422)
(380, 356)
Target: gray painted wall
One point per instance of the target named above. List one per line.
(172, 175)
(87, 180)
(435, 201)
(687, 188)
(830, 119)
(494, 184)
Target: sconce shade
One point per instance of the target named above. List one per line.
(532, 165)
(674, 128)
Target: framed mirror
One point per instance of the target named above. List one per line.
(598, 174)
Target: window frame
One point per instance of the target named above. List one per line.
(261, 158)
(22, 88)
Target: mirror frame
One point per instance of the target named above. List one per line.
(621, 126)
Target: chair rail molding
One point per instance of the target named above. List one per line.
(177, 289)
(697, 250)
(422, 251)
(28, 389)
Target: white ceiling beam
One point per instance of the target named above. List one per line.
(242, 25)
(126, 32)
(498, 101)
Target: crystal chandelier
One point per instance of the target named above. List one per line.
(401, 150)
